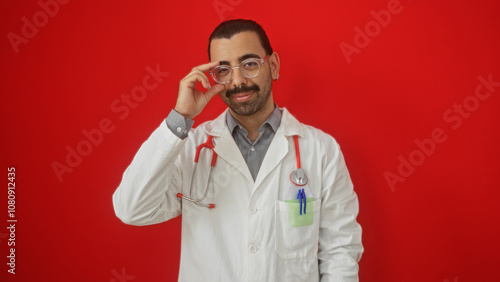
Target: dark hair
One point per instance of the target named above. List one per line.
(231, 27)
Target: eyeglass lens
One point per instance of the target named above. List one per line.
(249, 69)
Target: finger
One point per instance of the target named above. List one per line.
(206, 82)
(207, 67)
(213, 91)
(203, 68)
(193, 77)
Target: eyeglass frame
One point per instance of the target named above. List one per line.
(259, 60)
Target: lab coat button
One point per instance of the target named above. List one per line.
(253, 249)
(252, 210)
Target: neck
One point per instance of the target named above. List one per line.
(253, 122)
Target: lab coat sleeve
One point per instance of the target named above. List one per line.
(340, 246)
(147, 192)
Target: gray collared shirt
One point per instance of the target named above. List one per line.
(253, 152)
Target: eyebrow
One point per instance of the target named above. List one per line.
(242, 58)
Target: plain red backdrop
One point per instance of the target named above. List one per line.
(440, 224)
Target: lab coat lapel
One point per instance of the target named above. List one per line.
(275, 153)
(278, 148)
(226, 147)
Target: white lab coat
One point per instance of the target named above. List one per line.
(246, 237)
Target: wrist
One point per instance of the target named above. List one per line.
(178, 124)
(186, 116)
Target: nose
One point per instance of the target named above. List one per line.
(238, 78)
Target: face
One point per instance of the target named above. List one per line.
(244, 96)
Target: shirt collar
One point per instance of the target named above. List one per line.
(273, 120)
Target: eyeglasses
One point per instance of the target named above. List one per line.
(249, 68)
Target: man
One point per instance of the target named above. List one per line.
(252, 216)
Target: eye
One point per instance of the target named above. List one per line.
(250, 64)
(222, 71)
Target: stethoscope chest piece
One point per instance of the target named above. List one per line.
(299, 177)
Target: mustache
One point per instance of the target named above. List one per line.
(242, 89)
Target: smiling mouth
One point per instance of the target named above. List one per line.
(242, 97)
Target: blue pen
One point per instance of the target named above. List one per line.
(299, 196)
(305, 200)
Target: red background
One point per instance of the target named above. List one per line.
(440, 224)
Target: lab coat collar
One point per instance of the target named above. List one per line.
(225, 146)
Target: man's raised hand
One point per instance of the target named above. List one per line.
(190, 101)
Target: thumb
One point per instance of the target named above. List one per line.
(213, 91)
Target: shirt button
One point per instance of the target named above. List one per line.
(252, 148)
(252, 210)
(253, 249)
(178, 129)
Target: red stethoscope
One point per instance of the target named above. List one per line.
(298, 176)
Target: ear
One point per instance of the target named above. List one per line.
(274, 62)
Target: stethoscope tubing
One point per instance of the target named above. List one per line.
(299, 180)
(208, 144)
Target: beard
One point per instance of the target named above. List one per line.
(250, 107)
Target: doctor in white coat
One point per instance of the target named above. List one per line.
(260, 229)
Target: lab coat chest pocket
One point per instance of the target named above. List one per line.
(295, 242)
